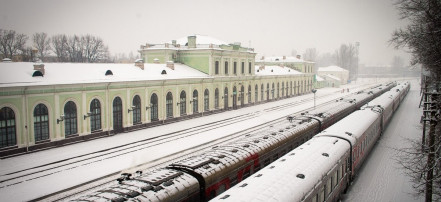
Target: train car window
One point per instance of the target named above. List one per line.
(282, 152)
(332, 183)
(339, 173)
(246, 174)
(328, 187)
(266, 162)
(314, 199)
(275, 157)
(256, 167)
(212, 194)
(336, 178)
(322, 195)
(221, 189)
(233, 181)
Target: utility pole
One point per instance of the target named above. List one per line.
(431, 114)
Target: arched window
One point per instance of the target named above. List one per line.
(109, 73)
(298, 88)
(235, 68)
(169, 105)
(70, 118)
(154, 107)
(7, 127)
(206, 100)
(256, 93)
(225, 98)
(216, 98)
(226, 68)
(262, 89)
(283, 89)
(304, 86)
(41, 123)
(287, 89)
(183, 103)
(242, 99)
(249, 94)
(216, 67)
(267, 91)
(136, 104)
(195, 101)
(278, 90)
(272, 92)
(249, 68)
(117, 114)
(243, 68)
(291, 87)
(95, 116)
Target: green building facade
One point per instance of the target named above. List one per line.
(78, 102)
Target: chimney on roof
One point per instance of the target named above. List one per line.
(174, 43)
(39, 67)
(191, 41)
(263, 57)
(298, 57)
(139, 63)
(171, 65)
(284, 57)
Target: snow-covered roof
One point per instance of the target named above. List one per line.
(200, 39)
(350, 127)
(332, 68)
(279, 59)
(20, 73)
(275, 70)
(332, 77)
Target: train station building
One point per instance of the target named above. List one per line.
(45, 105)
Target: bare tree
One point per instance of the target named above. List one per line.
(42, 44)
(326, 59)
(422, 36)
(11, 43)
(311, 54)
(346, 57)
(94, 49)
(60, 47)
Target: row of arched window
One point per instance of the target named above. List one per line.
(70, 119)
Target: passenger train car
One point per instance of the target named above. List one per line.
(203, 177)
(322, 168)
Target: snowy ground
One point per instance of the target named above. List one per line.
(37, 174)
(381, 177)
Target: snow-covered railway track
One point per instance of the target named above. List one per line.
(28, 174)
(152, 165)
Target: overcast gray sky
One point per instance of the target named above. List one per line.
(273, 27)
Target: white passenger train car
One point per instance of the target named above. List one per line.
(323, 167)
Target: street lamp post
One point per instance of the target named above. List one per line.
(314, 91)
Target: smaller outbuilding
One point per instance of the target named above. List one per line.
(334, 73)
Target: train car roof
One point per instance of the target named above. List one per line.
(291, 177)
(382, 101)
(350, 128)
